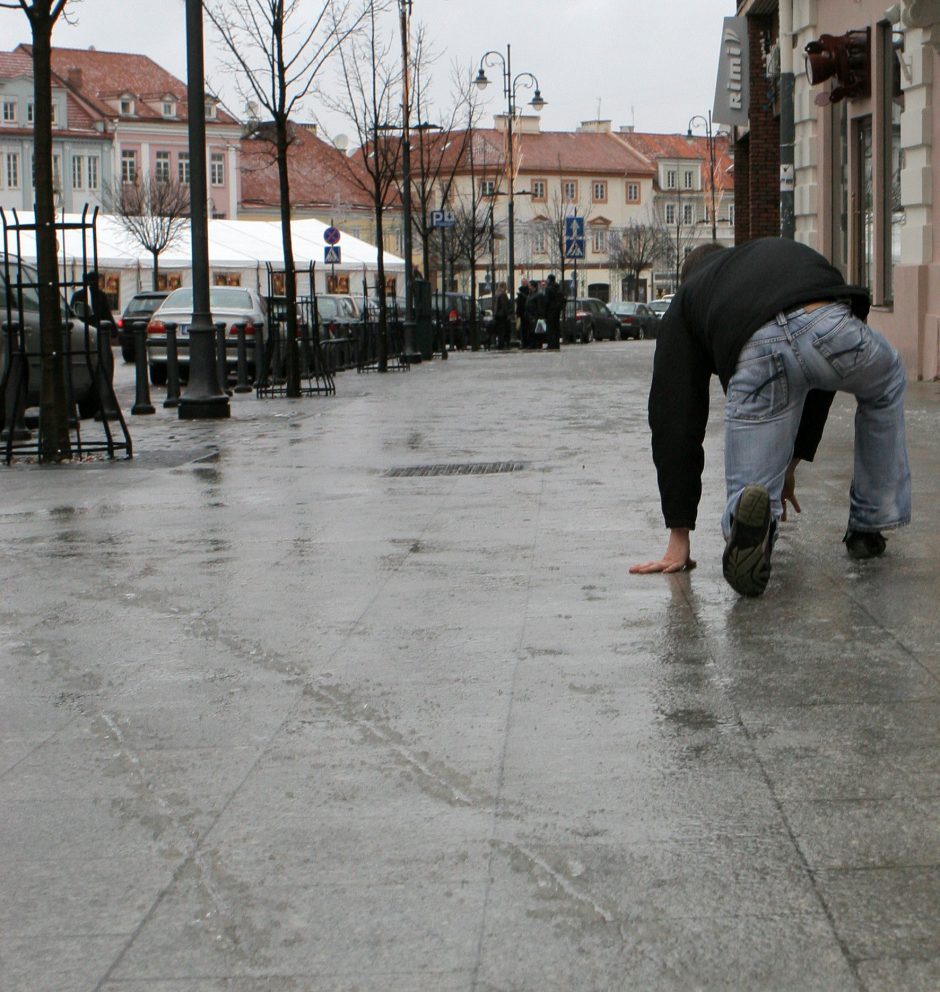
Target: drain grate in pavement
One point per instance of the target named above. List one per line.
(465, 468)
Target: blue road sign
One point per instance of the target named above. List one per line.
(574, 247)
(443, 218)
(331, 235)
(331, 255)
(574, 228)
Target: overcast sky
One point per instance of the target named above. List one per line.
(651, 64)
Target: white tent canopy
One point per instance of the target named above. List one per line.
(234, 246)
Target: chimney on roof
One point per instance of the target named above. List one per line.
(626, 129)
(74, 77)
(309, 126)
(522, 124)
(595, 127)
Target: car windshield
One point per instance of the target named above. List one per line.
(220, 297)
(143, 304)
(628, 307)
(335, 306)
(660, 306)
(30, 293)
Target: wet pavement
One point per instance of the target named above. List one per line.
(277, 715)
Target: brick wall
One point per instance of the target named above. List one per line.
(761, 218)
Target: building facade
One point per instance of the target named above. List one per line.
(866, 120)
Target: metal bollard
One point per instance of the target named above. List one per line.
(221, 363)
(241, 385)
(142, 404)
(172, 367)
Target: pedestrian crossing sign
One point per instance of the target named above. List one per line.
(331, 254)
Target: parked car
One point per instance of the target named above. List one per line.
(229, 304)
(589, 319)
(337, 314)
(636, 320)
(658, 308)
(82, 338)
(454, 311)
(137, 314)
(368, 307)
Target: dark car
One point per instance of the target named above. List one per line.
(137, 314)
(636, 320)
(587, 320)
(19, 300)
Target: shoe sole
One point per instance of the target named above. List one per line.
(746, 561)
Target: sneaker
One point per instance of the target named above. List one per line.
(864, 543)
(746, 561)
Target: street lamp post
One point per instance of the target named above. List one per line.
(204, 397)
(404, 10)
(706, 122)
(510, 83)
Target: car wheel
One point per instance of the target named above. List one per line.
(127, 353)
(158, 375)
(588, 335)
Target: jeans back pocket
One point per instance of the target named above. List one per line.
(758, 389)
(845, 346)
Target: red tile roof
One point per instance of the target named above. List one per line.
(110, 74)
(321, 176)
(678, 146)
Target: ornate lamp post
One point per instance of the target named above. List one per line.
(204, 399)
(510, 83)
(706, 122)
(404, 13)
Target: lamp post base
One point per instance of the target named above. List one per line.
(204, 408)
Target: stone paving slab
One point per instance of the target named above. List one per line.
(275, 716)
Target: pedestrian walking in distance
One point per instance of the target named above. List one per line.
(781, 329)
(502, 316)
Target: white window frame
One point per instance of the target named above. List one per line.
(538, 242)
(183, 168)
(78, 172)
(487, 187)
(635, 198)
(671, 179)
(670, 213)
(9, 111)
(599, 190)
(569, 190)
(161, 166)
(93, 171)
(539, 189)
(217, 168)
(688, 179)
(128, 165)
(11, 169)
(688, 213)
(599, 241)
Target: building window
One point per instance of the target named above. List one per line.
(569, 190)
(169, 108)
(127, 106)
(893, 157)
(487, 187)
(128, 166)
(599, 191)
(78, 172)
(92, 171)
(161, 167)
(538, 189)
(182, 166)
(633, 192)
(12, 170)
(865, 207)
(217, 169)
(30, 113)
(670, 179)
(210, 110)
(9, 111)
(731, 215)
(688, 179)
(670, 213)
(599, 242)
(688, 213)
(54, 113)
(538, 242)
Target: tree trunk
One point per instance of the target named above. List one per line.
(383, 306)
(290, 276)
(156, 269)
(53, 400)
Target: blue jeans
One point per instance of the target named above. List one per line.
(826, 348)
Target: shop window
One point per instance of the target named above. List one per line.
(865, 206)
(892, 46)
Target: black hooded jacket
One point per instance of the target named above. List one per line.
(718, 308)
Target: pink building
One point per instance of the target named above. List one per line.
(861, 80)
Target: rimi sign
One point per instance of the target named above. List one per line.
(732, 86)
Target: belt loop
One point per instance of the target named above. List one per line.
(781, 319)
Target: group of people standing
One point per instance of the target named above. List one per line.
(537, 314)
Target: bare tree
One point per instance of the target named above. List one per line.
(276, 50)
(637, 247)
(55, 445)
(154, 212)
(560, 208)
(370, 100)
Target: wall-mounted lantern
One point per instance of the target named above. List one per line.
(844, 57)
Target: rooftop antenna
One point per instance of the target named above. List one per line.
(598, 109)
